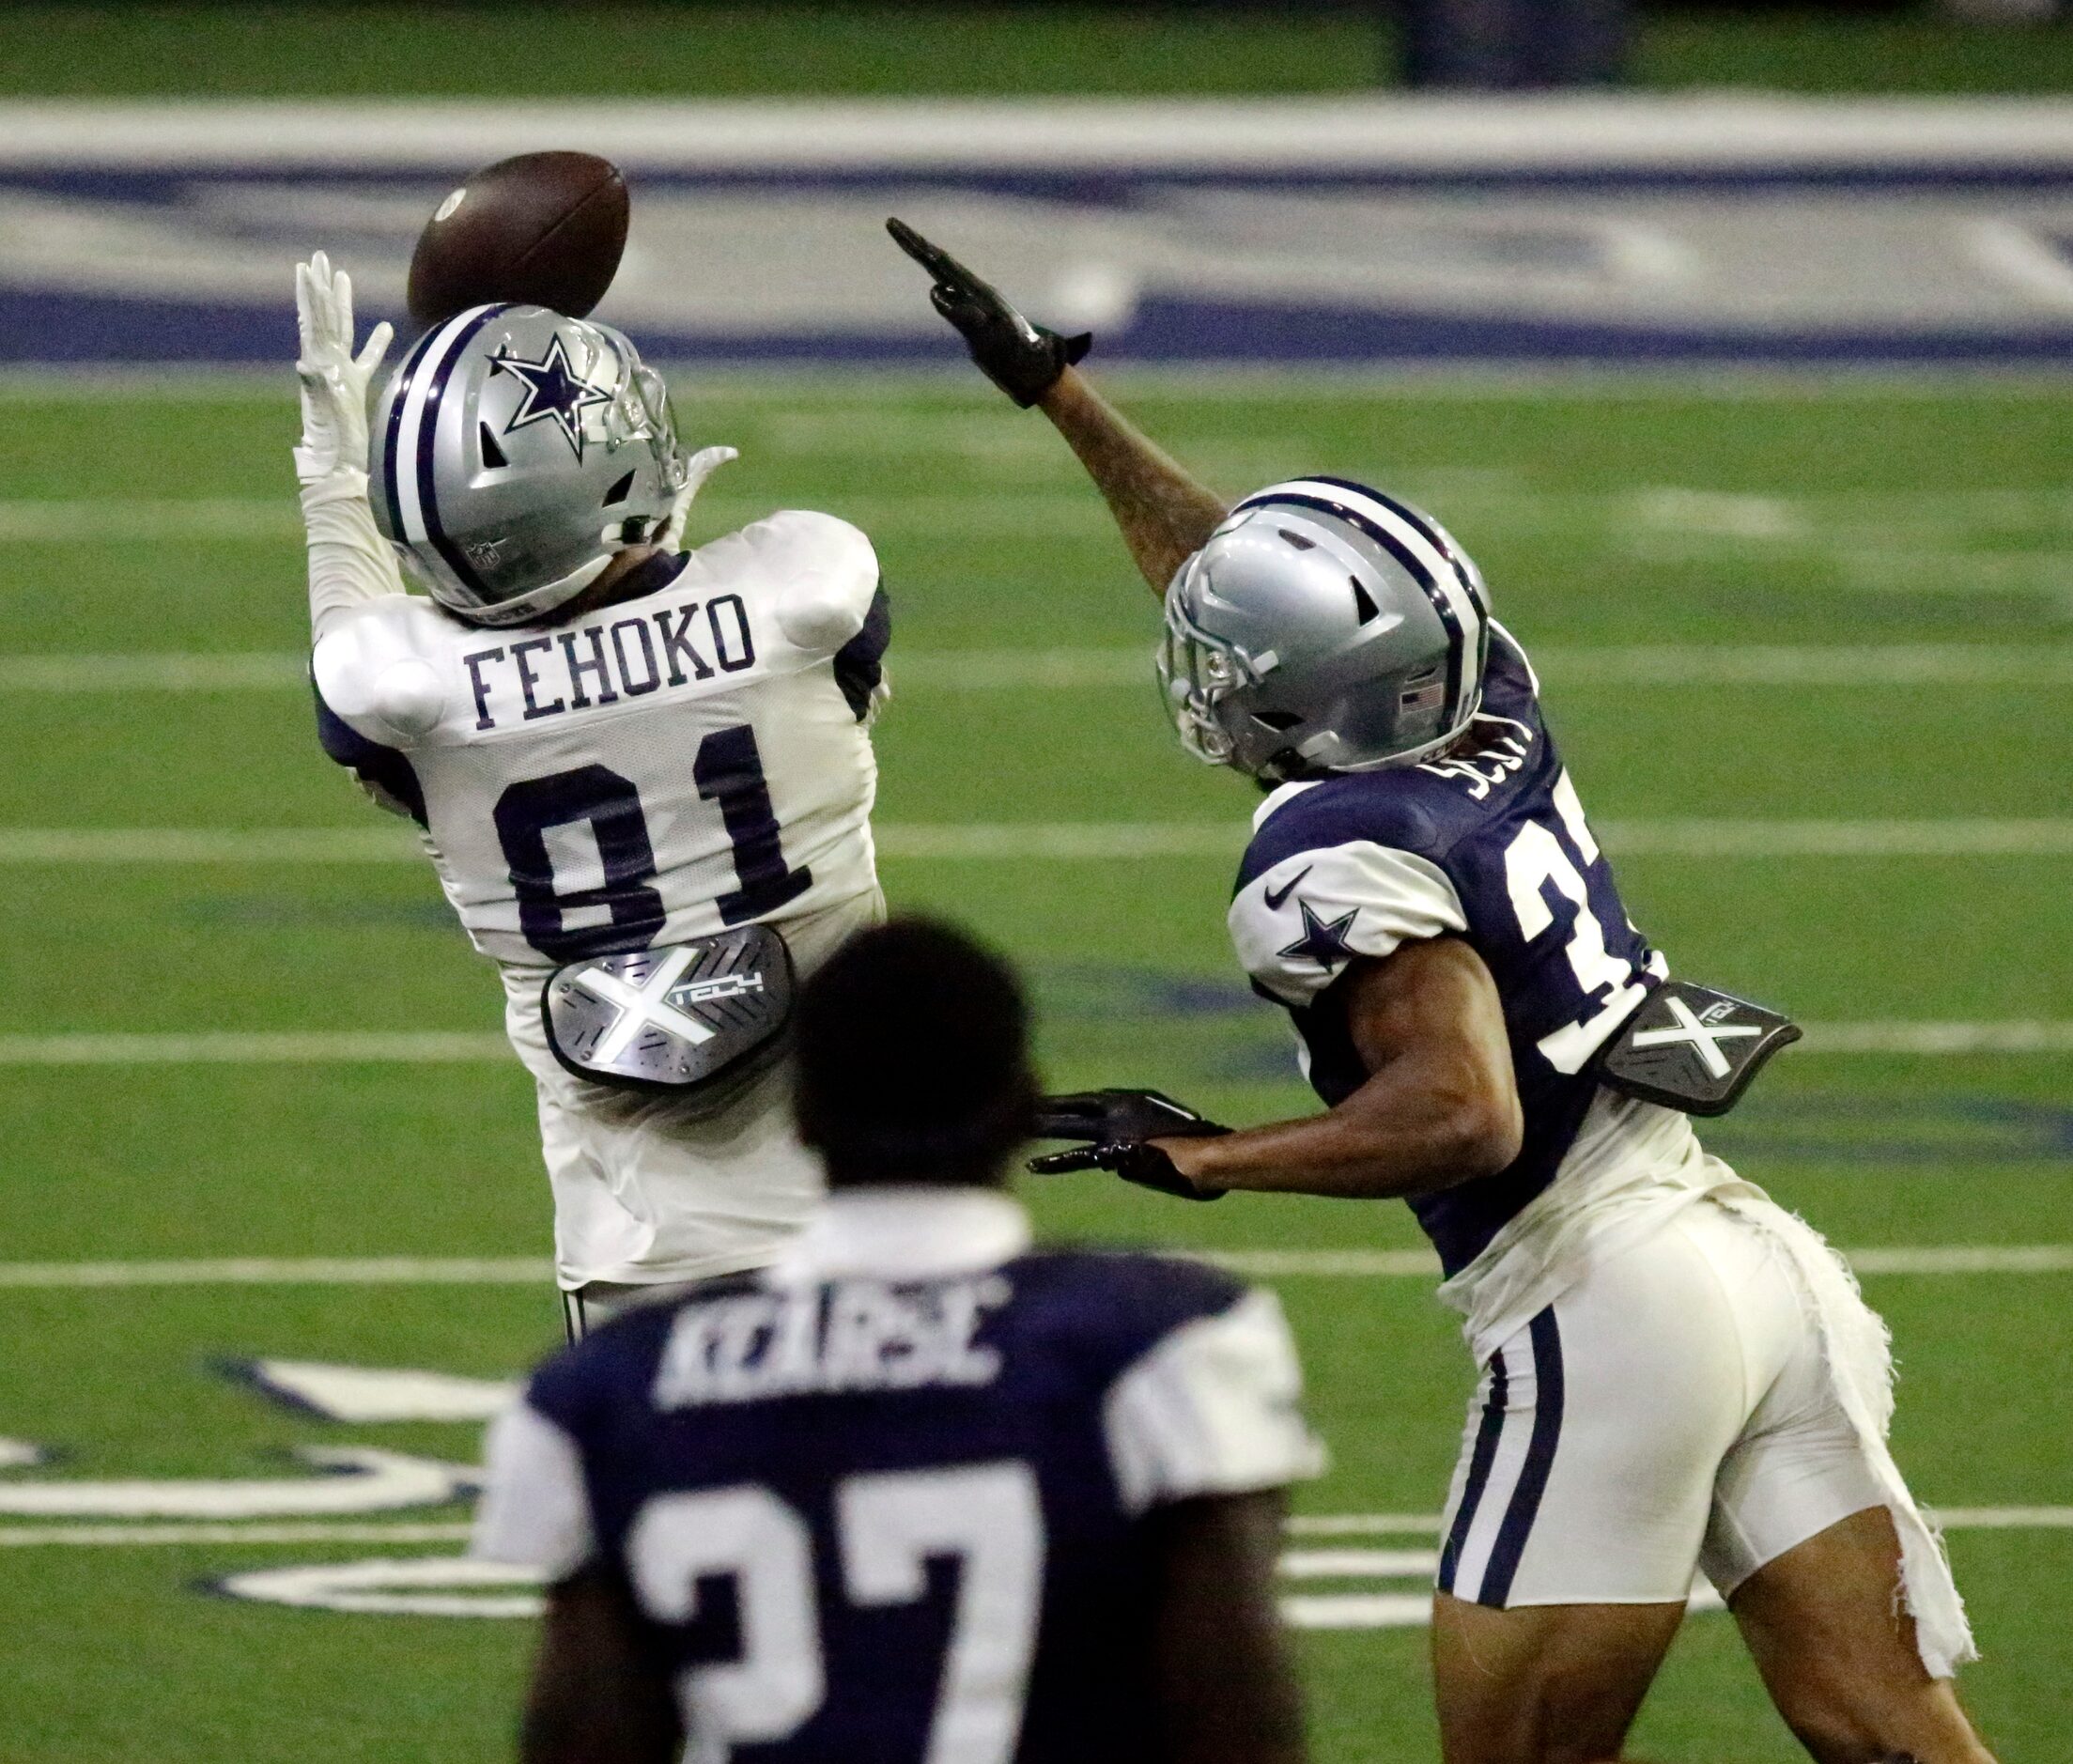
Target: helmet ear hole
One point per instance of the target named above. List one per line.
(492, 455)
(618, 492)
(1280, 722)
(1365, 610)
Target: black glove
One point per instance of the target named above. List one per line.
(1119, 1124)
(1023, 360)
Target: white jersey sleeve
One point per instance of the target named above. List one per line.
(1296, 925)
(828, 577)
(536, 1506)
(1212, 1409)
(371, 670)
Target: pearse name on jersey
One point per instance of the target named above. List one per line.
(850, 1336)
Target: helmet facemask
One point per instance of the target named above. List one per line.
(1195, 670)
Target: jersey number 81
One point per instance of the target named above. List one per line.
(727, 770)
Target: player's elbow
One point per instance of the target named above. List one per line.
(1478, 1130)
(1488, 1129)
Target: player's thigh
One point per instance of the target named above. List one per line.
(1833, 1638)
(1543, 1684)
(1579, 1503)
(1588, 1462)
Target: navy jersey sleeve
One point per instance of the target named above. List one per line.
(859, 663)
(385, 772)
(1211, 1407)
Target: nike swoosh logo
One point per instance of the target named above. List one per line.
(1277, 901)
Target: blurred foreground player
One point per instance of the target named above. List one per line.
(644, 777)
(1676, 1374)
(917, 1494)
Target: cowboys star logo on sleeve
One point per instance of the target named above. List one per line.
(1323, 941)
(554, 392)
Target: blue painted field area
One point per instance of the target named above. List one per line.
(1642, 231)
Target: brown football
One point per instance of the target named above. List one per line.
(546, 228)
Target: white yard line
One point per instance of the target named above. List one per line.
(2011, 534)
(2048, 1037)
(1828, 666)
(849, 386)
(1300, 1563)
(1023, 841)
(377, 842)
(61, 521)
(285, 1271)
(1709, 838)
(133, 1536)
(1397, 132)
(1426, 1524)
(1942, 1259)
(68, 522)
(435, 1047)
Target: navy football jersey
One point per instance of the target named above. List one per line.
(884, 1519)
(1492, 847)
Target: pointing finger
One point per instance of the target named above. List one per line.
(1064, 1163)
(933, 258)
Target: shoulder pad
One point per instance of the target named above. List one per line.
(373, 673)
(1296, 923)
(822, 571)
(1381, 809)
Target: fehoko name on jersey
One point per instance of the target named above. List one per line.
(601, 663)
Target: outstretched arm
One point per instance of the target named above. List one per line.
(350, 563)
(1166, 515)
(1441, 1104)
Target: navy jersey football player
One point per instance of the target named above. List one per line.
(918, 1493)
(1675, 1375)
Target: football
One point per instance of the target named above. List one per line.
(547, 228)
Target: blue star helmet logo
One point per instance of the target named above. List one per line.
(1323, 941)
(554, 392)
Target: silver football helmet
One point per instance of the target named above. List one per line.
(514, 451)
(1325, 627)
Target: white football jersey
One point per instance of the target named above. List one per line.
(661, 768)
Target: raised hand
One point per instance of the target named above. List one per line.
(333, 379)
(1024, 359)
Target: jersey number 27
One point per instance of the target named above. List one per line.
(889, 1527)
(727, 770)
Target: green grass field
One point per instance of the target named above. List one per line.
(650, 50)
(1738, 525)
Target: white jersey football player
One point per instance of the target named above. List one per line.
(1676, 1375)
(608, 744)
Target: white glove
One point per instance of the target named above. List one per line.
(704, 463)
(334, 380)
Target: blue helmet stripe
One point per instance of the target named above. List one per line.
(404, 375)
(1456, 679)
(427, 438)
(1433, 533)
